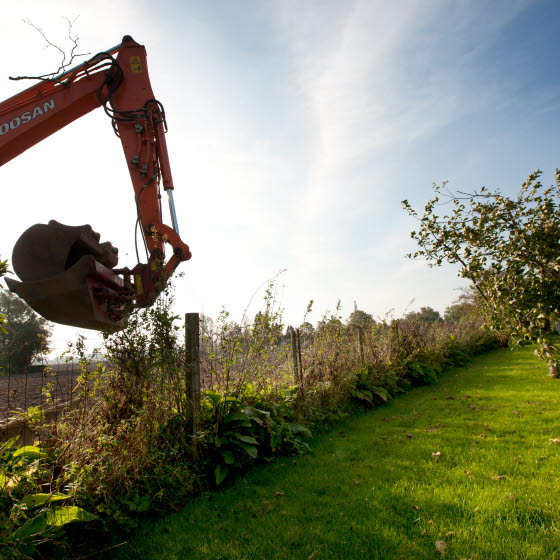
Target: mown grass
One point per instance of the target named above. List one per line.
(374, 489)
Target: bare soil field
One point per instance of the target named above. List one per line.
(20, 391)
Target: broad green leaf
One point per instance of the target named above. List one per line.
(61, 515)
(228, 456)
(34, 526)
(221, 472)
(52, 518)
(382, 393)
(10, 443)
(251, 450)
(298, 429)
(34, 500)
(235, 417)
(30, 453)
(239, 419)
(253, 412)
(247, 439)
(275, 442)
(216, 398)
(144, 506)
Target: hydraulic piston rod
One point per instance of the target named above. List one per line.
(174, 221)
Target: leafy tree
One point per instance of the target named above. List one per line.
(509, 248)
(359, 318)
(26, 335)
(268, 325)
(306, 333)
(425, 315)
(456, 311)
(330, 324)
(307, 330)
(466, 306)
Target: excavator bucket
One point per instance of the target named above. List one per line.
(66, 276)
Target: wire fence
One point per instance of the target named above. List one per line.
(66, 386)
(46, 388)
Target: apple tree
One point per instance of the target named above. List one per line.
(509, 248)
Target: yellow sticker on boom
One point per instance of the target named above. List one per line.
(136, 64)
(139, 284)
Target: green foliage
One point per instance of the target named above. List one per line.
(366, 391)
(26, 334)
(237, 436)
(421, 373)
(132, 453)
(29, 516)
(253, 352)
(509, 248)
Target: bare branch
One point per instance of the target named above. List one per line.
(67, 58)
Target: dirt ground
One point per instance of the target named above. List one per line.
(20, 391)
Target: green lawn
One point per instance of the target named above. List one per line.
(374, 489)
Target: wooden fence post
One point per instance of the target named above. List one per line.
(295, 339)
(361, 343)
(395, 341)
(192, 368)
(294, 355)
(300, 363)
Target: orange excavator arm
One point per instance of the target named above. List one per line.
(67, 275)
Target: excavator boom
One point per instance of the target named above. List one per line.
(66, 274)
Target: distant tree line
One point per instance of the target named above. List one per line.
(466, 306)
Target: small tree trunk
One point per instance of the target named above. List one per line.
(294, 356)
(300, 363)
(192, 369)
(553, 370)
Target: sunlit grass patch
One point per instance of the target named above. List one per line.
(467, 468)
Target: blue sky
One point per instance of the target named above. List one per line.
(296, 128)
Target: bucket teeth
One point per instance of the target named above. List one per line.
(66, 276)
(45, 250)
